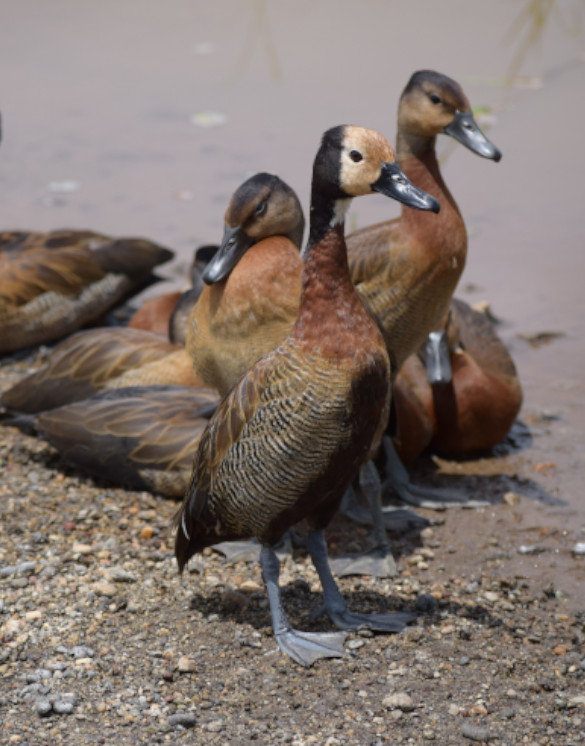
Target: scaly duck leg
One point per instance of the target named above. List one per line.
(303, 647)
(336, 607)
(397, 519)
(379, 560)
(399, 481)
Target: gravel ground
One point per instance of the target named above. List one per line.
(103, 642)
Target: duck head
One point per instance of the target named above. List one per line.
(353, 161)
(432, 104)
(263, 206)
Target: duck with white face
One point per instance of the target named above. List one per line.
(293, 432)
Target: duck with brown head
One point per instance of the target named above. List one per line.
(293, 432)
(406, 270)
(243, 314)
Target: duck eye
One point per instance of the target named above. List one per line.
(434, 98)
(260, 208)
(356, 156)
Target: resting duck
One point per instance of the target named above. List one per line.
(291, 435)
(97, 359)
(406, 270)
(140, 437)
(112, 358)
(473, 410)
(51, 284)
(241, 315)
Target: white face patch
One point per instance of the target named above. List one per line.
(362, 155)
(340, 211)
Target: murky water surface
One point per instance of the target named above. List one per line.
(142, 117)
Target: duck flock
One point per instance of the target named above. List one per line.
(290, 373)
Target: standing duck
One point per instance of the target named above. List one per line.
(51, 284)
(291, 435)
(406, 270)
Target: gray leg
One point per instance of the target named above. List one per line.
(425, 497)
(397, 519)
(303, 647)
(335, 605)
(378, 561)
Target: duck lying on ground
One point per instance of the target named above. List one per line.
(52, 284)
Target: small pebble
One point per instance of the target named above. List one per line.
(355, 644)
(398, 701)
(43, 707)
(80, 651)
(185, 664)
(25, 568)
(186, 719)
(464, 660)
(64, 706)
(427, 603)
(104, 589)
(475, 732)
(215, 726)
(118, 575)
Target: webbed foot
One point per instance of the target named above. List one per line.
(378, 562)
(307, 647)
(345, 619)
(423, 497)
(238, 551)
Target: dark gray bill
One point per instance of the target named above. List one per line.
(465, 130)
(393, 183)
(233, 246)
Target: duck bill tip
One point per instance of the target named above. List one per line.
(395, 184)
(234, 245)
(466, 131)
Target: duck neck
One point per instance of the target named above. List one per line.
(418, 160)
(330, 311)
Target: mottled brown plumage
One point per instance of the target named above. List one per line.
(54, 283)
(97, 359)
(138, 437)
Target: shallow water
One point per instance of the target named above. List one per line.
(103, 108)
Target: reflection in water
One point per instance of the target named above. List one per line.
(529, 26)
(259, 33)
